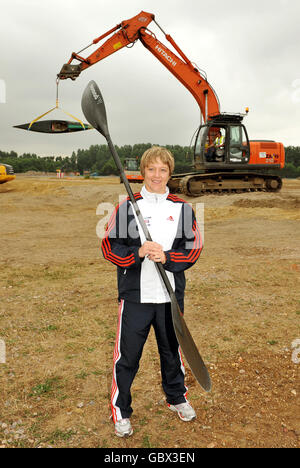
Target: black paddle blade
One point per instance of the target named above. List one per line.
(93, 107)
(189, 348)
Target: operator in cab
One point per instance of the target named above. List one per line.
(215, 151)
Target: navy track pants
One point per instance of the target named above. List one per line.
(134, 324)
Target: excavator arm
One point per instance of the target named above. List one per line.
(126, 34)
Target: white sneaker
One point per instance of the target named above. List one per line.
(123, 428)
(184, 410)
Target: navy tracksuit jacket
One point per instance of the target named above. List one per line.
(143, 299)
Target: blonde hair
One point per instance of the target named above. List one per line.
(154, 153)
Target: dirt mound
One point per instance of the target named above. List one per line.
(283, 203)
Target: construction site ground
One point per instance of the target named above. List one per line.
(58, 321)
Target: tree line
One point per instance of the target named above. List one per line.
(97, 159)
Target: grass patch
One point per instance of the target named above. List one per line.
(46, 387)
(146, 443)
(58, 435)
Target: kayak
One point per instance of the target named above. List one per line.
(54, 126)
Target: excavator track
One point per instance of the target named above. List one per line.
(195, 185)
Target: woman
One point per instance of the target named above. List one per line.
(143, 298)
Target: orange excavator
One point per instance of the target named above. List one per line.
(224, 158)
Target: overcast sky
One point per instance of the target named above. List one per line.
(249, 50)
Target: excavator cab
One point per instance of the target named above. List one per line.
(222, 143)
(131, 166)
(223, 156)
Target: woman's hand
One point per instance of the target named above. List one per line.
(153, 251)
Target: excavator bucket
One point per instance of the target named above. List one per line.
(69, 71)
(55, 126)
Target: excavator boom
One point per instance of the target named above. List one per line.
(126, 34)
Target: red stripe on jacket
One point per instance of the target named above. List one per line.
(194, 252)
(106, 245)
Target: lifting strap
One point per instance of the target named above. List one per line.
(56, 107)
